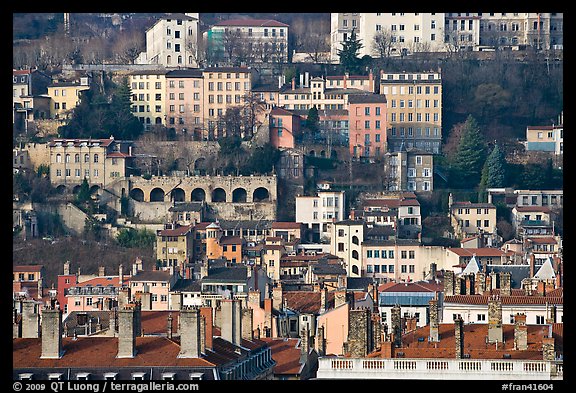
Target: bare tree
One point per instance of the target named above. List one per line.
(128, 46)
(231, 42)
(254, 110)
(314, 46)
(382, 43)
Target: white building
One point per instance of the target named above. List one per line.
(319, 212)
(172, 41)
(346, 243)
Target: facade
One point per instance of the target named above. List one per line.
(346, 243)
(149, 97)
(100, 161)
(368, 125)
(29, 99)
(550, 198)
(172, 41)
(174, 246)
(184, 101)
(65, 96)
(248, 41)
(409, 170)
(461, 31)
(545, 138)
(414, 109)
(399, 260)
(472, 218)
(155, 287)
(284, 128)
(319, 212)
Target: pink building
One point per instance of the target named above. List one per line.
(152, 287)
(184, 97)
(367, 125)
(99, 293)
(284, 127)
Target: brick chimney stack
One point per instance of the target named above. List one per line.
(480, 283)
(449, 283)
(339, 297)
(304, 345)
(520, 332)
(190, 340)
(231, 321)
(127, 333)
(459, 337)
(359, 332)
(51, 334)
(30, 319)
(40, 288)
(458, 289)
(320, 341)
(434, 324)
(323, 299)
(247, 323)
(551, 317)
(495, 320)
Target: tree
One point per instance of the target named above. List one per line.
(382, 43)
(467, 163)
(262, 160)
(491, 99)
(494, 171)
(312, 120)
(349, 53)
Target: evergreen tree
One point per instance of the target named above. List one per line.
(349, 53)
(470, 156)
(312, 120)
(494, 171)
(122, 123)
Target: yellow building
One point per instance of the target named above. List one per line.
(65, 96)
(414, 109)
(174, 246)
(149, 97)
(472, 218)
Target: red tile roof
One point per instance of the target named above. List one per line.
(27, 268)
(306, 301)
(528, 209)
(231, 240)
(101, 352)
(542, 240)
(475, 343)
(183, 230)
(286, 354)
(104, 281)
(506, 300)
(156, 322)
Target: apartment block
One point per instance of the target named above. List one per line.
(368, 125)
(409, 170)
(149, 97)
(65, 96)
(184, 97)
(319, 212)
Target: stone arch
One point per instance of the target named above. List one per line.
(61, 189)
(261, 194)
(312, 153)
(355, 269)
(355, 240)
(323, 153)
(157, 195)
(137, 194)
(355, 254)
(218, 195)
(239, 195)
(178, 195)
(76, 189)
(198, 195)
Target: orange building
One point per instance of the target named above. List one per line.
(284, 126)
(368, 123)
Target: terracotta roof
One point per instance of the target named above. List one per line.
(479, 252)
(306, 301)
(251, 22)
(27, 268)
(101, 352)
(201, 225)
(506, 300)
(470, 205)
(273, 247)
(231, 240)
(273, 238)
(475, 343)
(409, 202)
(119, 154)
(156, 322)
(286, 354)
(176, 232)
(542, 240)
(104, 281)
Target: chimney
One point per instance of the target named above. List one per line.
(532, 264)
(359, 332)
(307, 79)
(169, 326)
(376, 330)
(123, 297)
(268, 317)
(433, 266)
(469, 284)
(146, 301)
(548, 349)
(320, 341)
(254, 298)
(206, 313)
(101, 271)
(434, 324)
(40, 288)
(495, 320)
(204, 269)
(304, 345)
(293, 83)
(541, 288)
(459, 337)
(189, 333)
(301, 80)
(120, 275)
(30, 319)
(134, 269)
(494, 280)
(527, 286)
(411, 324)
(67, 268)
(387, 350)
(323, 299)
(449, 283)
(505, 284)
(138, 319)
(113, 323)
(175, 300)
(371, 81)
(279, 81)
(457, 285)
(551, 318)
(127, 333)
(480, 283)
(396, 324)
(339, 297)
(277, 297)
(247, 323)
(520, 332)
(51, 334)
(202, 333)
(231, 321)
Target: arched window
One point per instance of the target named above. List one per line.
(58, 157)
(179, 59)
(86, 157)
(67, 157)
(354, 254)
(168, 59)
(76, 157)
(355, 269)
(95, 157)
(355, 239)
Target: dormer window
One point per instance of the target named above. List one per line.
(83, 376)
(110, 376)
(138, 376)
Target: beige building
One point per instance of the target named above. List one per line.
(149, 97)
(65, 96)
(100, 161)
(409, 170)
(469, 218)
(184, 96)
(174, 246)
(414, 109)
(393, 260)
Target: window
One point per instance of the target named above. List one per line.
(404, 255)
(480, 317)
(411, 254)
(539, 320)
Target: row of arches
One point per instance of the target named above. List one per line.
(239, 195)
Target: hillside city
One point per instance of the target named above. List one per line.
(225, 196)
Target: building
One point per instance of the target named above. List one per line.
(469, 218)
(545, 138)
(246, 41)
(397, 260)
(183, 102)
(100, 161)
(550, 198)
(414, 109)
(409, 170)
(462, 31)
(65, 96)
(149, 97)
(405, 32)
(29, 99)
(368, 125)
(175, 246)
(284, 128)
(172, 41)
(152, 288)
(319, 212)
